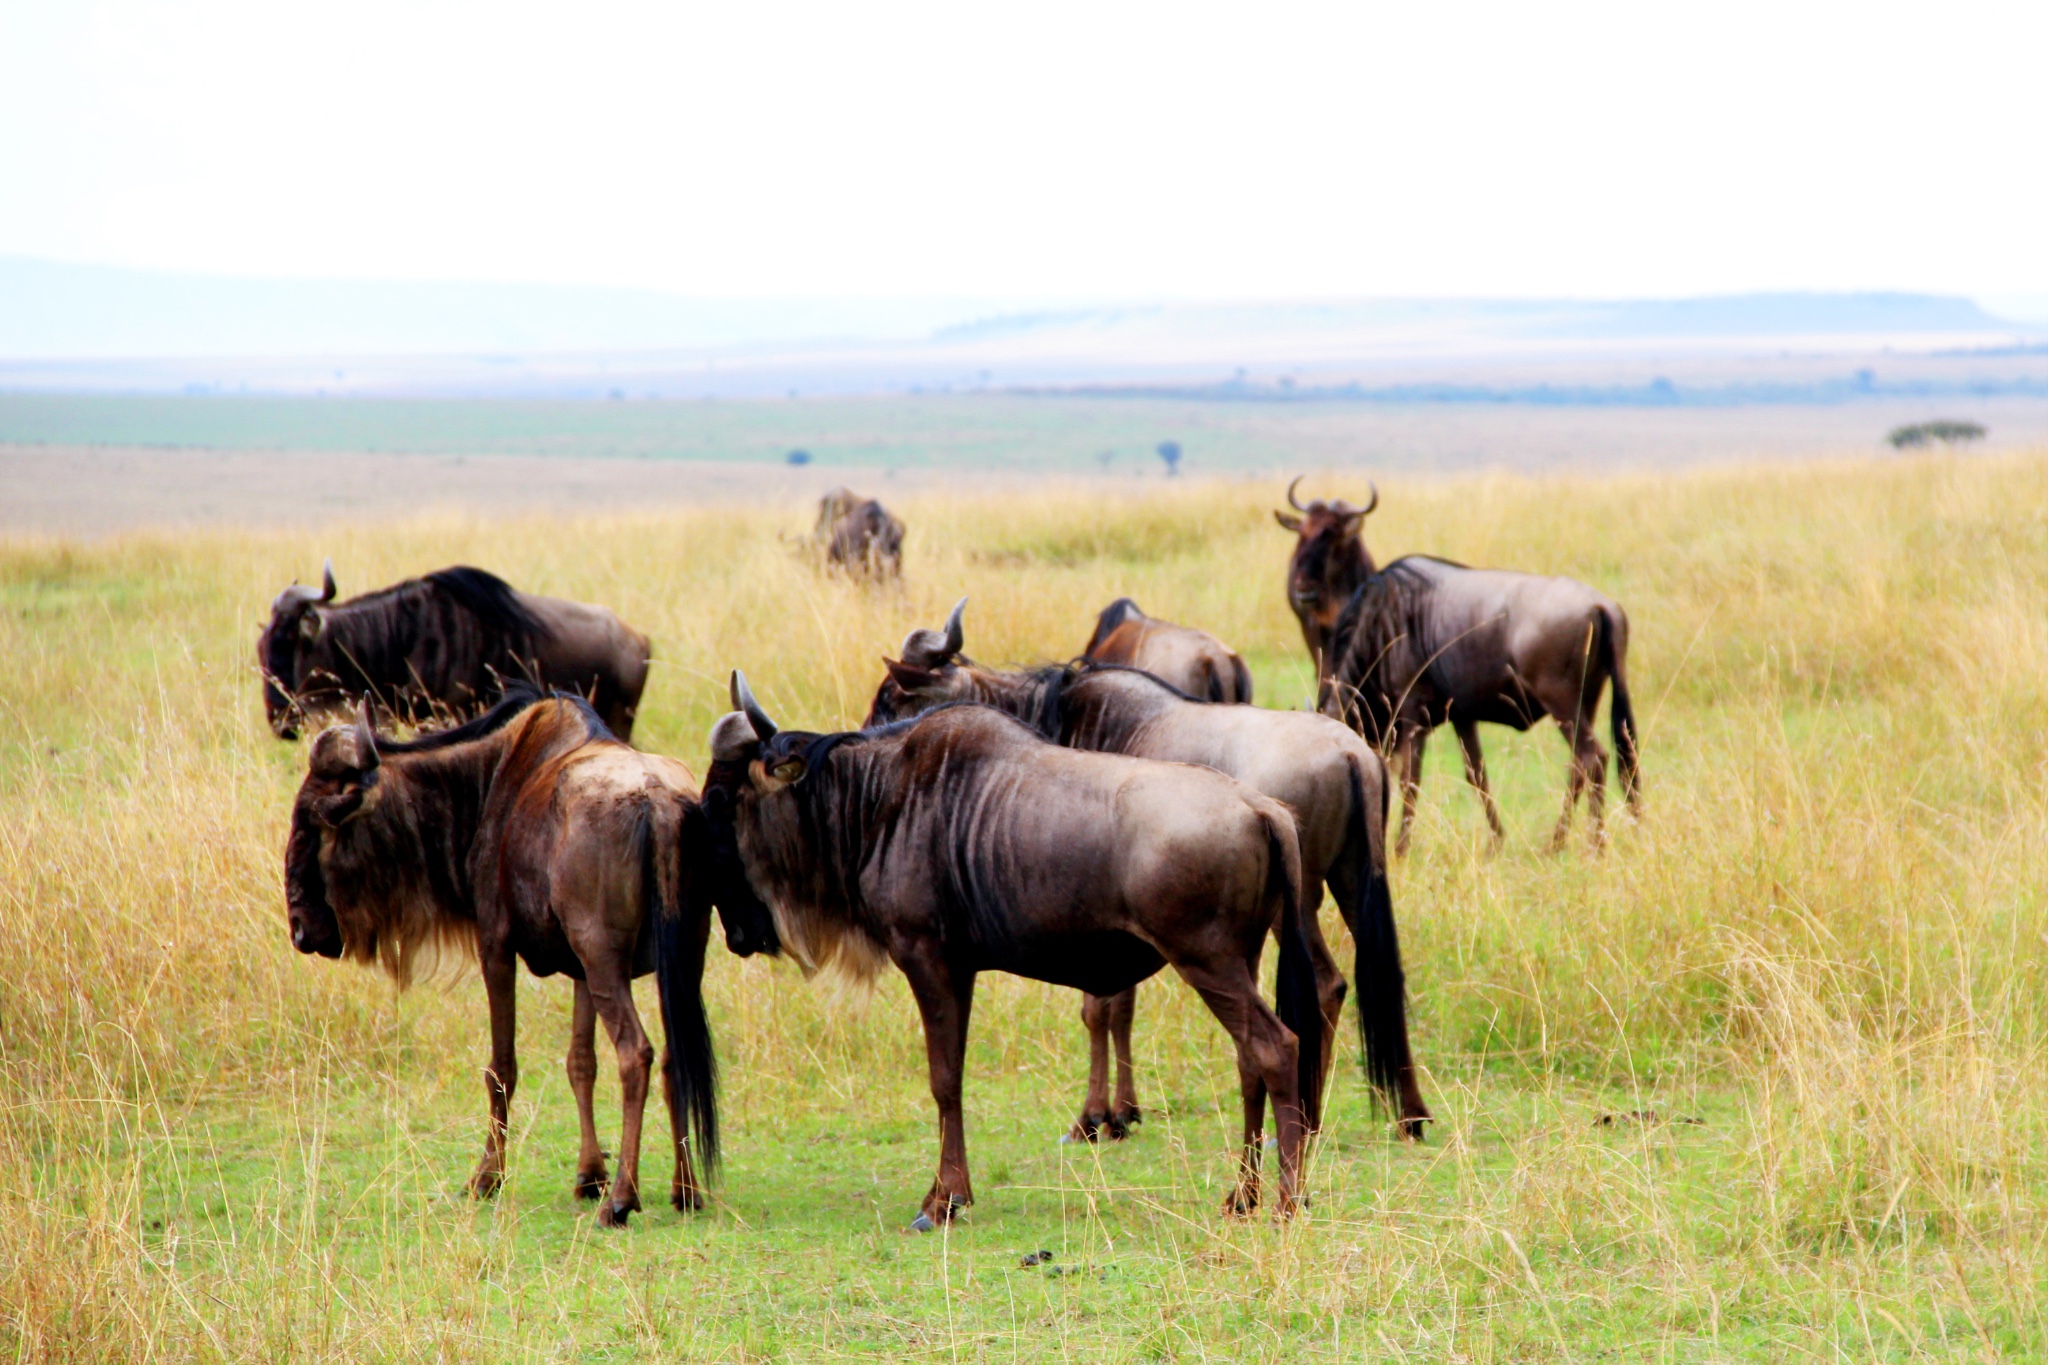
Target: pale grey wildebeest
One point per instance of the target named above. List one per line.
(858, 535)
(1193, 660)
(1404, 649)
(445, 642)
(1328, 776)
(960, 842)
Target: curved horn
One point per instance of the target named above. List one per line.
(326, 582)
(1292, 501)
(1367, 511)
(743, 698)
(366, 738)
(954, 639)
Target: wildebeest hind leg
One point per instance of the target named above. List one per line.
(501, 1077)
(1122, 1009)
(1267, 1057)
(1475, 773)
(1095, 1013)
(591, 1176)
(1331, 987)
(612, 991)
(1408, 753)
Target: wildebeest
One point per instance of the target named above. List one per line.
(858, 535)
(1329, 777)
(1425, 641)
(449, 641)
(1193, 660)
(960, 842)
(527, 833)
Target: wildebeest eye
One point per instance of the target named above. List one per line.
(789, 770)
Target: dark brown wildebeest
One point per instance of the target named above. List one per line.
(1193, 660)
(1329, 777)
(1426, 641)
(858, 535)
(960, 842)
(449, 641)
(528, 833)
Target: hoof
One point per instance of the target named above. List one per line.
(1127, 1118)
(1411, 1129)
(1087, 1128)
(485, 1184)
(591, 1185)
(614, 1214)
(923, 1223)
(1242, 1203)
(686, 1201)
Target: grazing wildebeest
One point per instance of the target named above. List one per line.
(1425, 641)
(1329, 777)
(527, 833)
(960, 842)
(1193, 660)
(858, 535)
(450, 640)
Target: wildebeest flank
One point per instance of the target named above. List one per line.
(1332, 781)
(449, 641)
(960, 842)
(527, 834)
(1193, 660)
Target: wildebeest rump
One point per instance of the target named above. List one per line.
(1426, 641)
(450, 640)
(858, 535)
(1193, 660)
(960, 842)
(528, 833)
(1330, 778)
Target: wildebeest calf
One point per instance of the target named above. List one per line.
(529, 833)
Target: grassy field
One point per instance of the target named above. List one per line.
(1825, 942)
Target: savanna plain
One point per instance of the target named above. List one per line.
(1762, 1080)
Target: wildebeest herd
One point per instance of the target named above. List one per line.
(1083, 823)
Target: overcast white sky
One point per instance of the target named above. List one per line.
(1060, 150)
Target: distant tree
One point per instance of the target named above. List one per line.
(1169, 451)
(1103, 457)
(1927, 433)
(798, 457)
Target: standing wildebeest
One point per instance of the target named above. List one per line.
(1193, 660)
(529, 833)
(1426, 641)
(452, 640)
(1327, 776)
(960, 842)
(858, 535)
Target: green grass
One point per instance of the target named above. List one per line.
(1824, 941)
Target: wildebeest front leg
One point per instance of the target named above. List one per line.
(945, 998)
(1475, 773)
(591, 1175)
(1123, 1008)
(1267, 1060)
(1095, 1105)
(1408, 754)
(612, 990)
(502, 1075)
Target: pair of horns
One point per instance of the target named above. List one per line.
(930, 648)
(1340, 507)
(296, 594)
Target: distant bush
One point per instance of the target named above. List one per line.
(1169, 451)
(1927, 433)
(798, 457)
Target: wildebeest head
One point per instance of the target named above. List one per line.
(931, 671)
(736, 746)
(340, 786)
(1329, 555)
(296, 625)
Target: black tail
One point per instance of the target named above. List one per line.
(1382, 985)
(1297, 1001)
(678, 896)
(1613, 653)
(1244, 680)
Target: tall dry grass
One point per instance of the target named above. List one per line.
(1825, 940)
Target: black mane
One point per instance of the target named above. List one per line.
(519, 695)
(490, 599)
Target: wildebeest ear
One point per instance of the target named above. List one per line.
(910, 677)
(311, 625)
(791, 769)
(732, 738)
(1288, 521)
